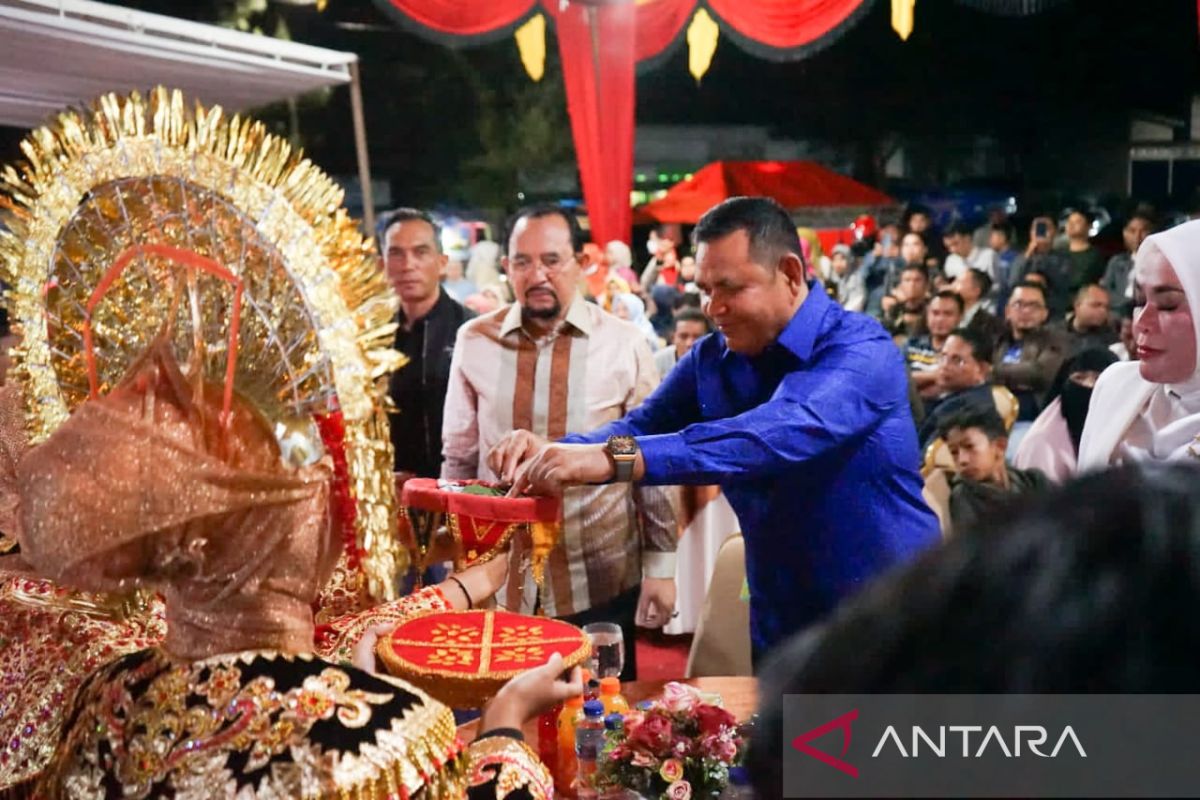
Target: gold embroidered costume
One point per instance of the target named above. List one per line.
(143, 237)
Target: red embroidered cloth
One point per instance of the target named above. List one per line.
(481, 524)
(463, 657)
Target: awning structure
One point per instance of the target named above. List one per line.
(600, 44)
(57, 53)
(795, 185)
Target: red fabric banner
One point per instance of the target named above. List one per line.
(660, 23)
(783, 25)
(596, 43)
(459, 17)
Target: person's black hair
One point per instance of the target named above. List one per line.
(5, 330)
(958, 228)
(1004, 228)
(540, 211)
(1045, 290)
(1146, 215)
(982, 280)
(985, 417)
(686, 300)
(1093, 359)
(950, 294)
(1074, 590)
(914, 209)
(693, 315)
(398, 215)
(980, 343)
(1088, 215)
(1084, 289)
(916, 268)
(768, 225)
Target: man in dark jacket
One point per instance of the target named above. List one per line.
(429, 320)
(1029, 353)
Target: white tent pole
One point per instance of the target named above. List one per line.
(360, 148)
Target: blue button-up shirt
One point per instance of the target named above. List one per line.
(813, 443)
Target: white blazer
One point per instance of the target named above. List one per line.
(1120, 395)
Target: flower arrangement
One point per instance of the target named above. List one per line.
(676, 748)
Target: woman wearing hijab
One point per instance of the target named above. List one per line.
(630, 308)
(1149, 410)
(620, 261)
(1052, 443)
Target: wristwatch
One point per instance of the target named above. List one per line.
(623, 450)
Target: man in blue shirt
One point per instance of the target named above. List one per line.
(797, 408)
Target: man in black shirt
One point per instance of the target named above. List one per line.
(429, 320)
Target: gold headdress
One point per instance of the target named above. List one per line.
(109, 202)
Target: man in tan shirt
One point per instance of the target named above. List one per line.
(554, 364)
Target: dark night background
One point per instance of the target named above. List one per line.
(1055, 91)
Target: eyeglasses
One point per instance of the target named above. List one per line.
(551, 263)
(1028, 305)
(945, 358)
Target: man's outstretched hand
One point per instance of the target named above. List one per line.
(555, 467)
(515, 448)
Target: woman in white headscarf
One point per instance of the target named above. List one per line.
(483, 266)
(1149, 410)
(630, 307)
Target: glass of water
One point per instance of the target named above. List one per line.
(608, 649)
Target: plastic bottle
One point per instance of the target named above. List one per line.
(589, 741)
(564, 775)
(610, 695)
(739, 785)
(547, 732)
(591, 690)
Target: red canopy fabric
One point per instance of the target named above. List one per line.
(794, 184)
(596, 45)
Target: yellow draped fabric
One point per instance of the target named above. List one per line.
(702, 43)
(531, 42)
(902, 18)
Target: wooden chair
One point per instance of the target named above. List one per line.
(1007, 404)
(937, 456)
(721, 645)
(936, 492)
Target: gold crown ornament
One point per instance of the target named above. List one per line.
(141, 215)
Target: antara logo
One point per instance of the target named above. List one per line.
(841, 723)
(1033, 737)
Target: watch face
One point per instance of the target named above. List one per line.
(622, 446)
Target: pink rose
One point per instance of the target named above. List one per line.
(679, 698)
(671, 770)
(680, 790)
(643, 759)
